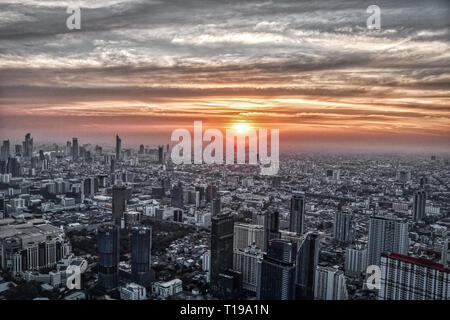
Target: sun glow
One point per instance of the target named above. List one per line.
(241, 127)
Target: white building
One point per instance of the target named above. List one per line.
(246, 235)
(133, 291)
(167, 289)
(409, 278)
(246, 261)
(330, 284)
(355, 261)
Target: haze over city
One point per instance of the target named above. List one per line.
(145, 68)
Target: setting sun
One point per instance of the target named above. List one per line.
(241, 127)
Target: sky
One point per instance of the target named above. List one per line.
(143, 68)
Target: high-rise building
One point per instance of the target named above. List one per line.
(277, 280)
(386, 235)
(18, 150)
(108, 256)
(343, 227)
(160, 154)
(141, 246)
(118, 147)
(215, 206)
(297, 214)
(307, 259)
(330, 284)
(5, 150)
(408, 278)
(222, 227)
(178, 215)
(176, 196)
(211, 193)
(247, 261)
(420, 199)
(28, 146)
(75, 149)
(271, 227)
(119, 200)
(355, 261)
(68, 149)
(246, 235)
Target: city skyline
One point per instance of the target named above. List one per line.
(144, 68)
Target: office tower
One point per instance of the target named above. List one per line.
(119, 200)
(215, 206)
(5, 150)
(68, 149)
(141, 149)
(108, 256)
(75, 149)
(28, 146)
(2, 206)
(386, 235)
(277, 280)
(408, 278)
(178, 215)
(307, 259)
(355, 261)
(297, 215)
(221, 245)
(18, 150)
(343, 227)
(271, 227)
(141, 247)
(13, 167)
(112, 168)
(211, 193)
(176, 196)
(420, 198)
(247, 261)
(118, 147)
(330, 284)
(160, 155)
(444, 253)
(246, 235)
(228, 285)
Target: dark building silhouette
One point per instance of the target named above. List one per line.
(5, 150)
(119, 200)
(75, 149)
(307, 259)
(13, 167)
(28, 146)
(108, 256)
(176, 196)
(141, 246)
(277, 280)
(160, 154)
(271, 227)
(211, 193)
(297, 214)
(222, 228)
(420, 198)
(215, 207)
(118, 147)
(229, 285)
(178, 215)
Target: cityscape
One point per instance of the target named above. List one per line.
(134, 226)
(224, 158)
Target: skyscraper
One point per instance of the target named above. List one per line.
(330, 284)
(297, 216)
(307, 259)
(141, 246)
(277, 280)
(119, 200)
(271, 227)
(247, 261)
(420, 198)
(5, 150)
(222, 227)
(343, 227)
(386, 235)
(246, 235)
(68, 148)
(160, 154)
(75, 149)
(211, 193)
(118, 147)
(355, 261)
(28, 146)
(215, 206)
(108, 256)
(409, 278)
(176, 196)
